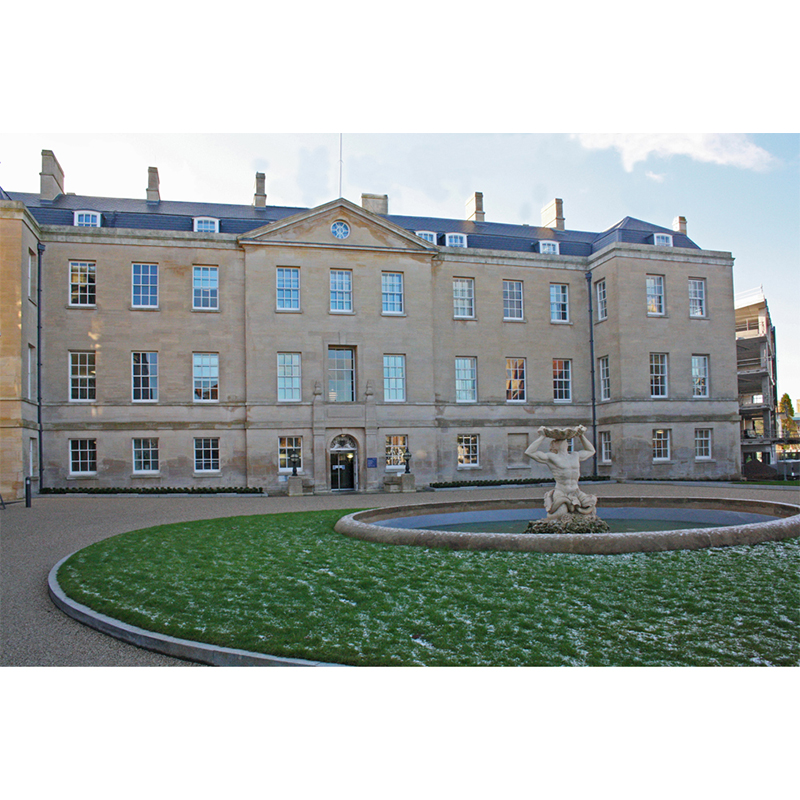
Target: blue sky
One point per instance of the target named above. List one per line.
(740, 193)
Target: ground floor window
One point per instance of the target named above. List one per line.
(145, 455)
(206, 455)
(287, 445)
(702, 443)
(83, 456)
(395, 451)
(661, 444)
(605, 446)
(468, 450)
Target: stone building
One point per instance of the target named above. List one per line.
(148, 342)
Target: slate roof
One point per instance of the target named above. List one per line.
(170, 215)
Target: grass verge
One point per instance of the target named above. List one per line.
(288, 585)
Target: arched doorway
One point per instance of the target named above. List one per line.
(344, 464)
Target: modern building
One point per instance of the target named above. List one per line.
(148, 342)
(756, 361)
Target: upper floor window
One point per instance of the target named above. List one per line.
(205, 368)
(341, 290)
(659, 375)
(205, 288)
(392, 293)
(428, 236)
(605, 378)
(662, 239)
(394, 378)
(289, 383)
(33, 275)
(467, 380)
(551, 248)
(655, 295)
(144, 373)
(288, 288)
(562, 380)
(82, 283)
(602, 299)
(206, 225)
(512, 300)
(341, 374)
(455, 239)
(515, 380)
(699, 376)
(464, 298)
(559, 302)
(87, 219)
(144, 283)
(697, 297)
(82, 376)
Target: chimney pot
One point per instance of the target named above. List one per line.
(51, 178)
(679, 225)
(475, 211)
(260, 196)
(376, 203)
(153, 193)
(553, 215)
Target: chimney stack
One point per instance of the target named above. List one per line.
(51, 178)
(153, 194)
(376, 203)
(679, 225)
(553, 215)
(260, 196)
(475, 208)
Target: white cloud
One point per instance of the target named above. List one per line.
(654, 177)
(729, 149)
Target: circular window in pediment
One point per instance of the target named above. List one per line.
(340, 229)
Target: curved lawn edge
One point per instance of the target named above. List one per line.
(161, 643)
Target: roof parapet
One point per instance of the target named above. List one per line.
(376, 203)
(475, 211)
(51, 178)
(553, 215)
(153, 193)
(260, 195)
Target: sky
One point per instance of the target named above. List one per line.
(739, 192)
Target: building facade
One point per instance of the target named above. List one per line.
(151, 343)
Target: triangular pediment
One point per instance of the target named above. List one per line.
(317, 226)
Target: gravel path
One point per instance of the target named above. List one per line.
(34, 633)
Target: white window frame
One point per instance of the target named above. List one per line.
(559, 303)
(341, 291)
(33, 276)
(152, 387)
(466, 379)
(205, 225)
(287, 289)
(140, 447)
(83, 284)
(81, 381)
(429, 236)
(662, 239)
(87, 219)
(606, 452)
(32, 373)
(700, 376)
(513, 300)
(205, 377)
(604, 371)
(152, 301)
(703, 444)
(287, 444)
(602, 299)
(516, 379)
(549, 248)
(455, 240)
(468, 450)
(562, 380)
(656, 303)
(207, 448)
(697, 298)
(394, 452)
(394, 378)
(390, 296)
(205, 288)
(90, 449)
(463, 298)
(345, 376)
(290, 377)
(662, 443)
(659, 375)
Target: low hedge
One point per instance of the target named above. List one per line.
(154, 490)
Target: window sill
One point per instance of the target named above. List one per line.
(206, 310)
(144, 308)
(207, 473)
(342, 313)
(561, 322)
(464, 319)
(288, 310)
(79, 476)
(393, 314)
(514, 319)
(82, 306)
(145, 475)
(468, 466)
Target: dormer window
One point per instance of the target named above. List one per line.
(455, 239)
(662, 239)
(428, 236)
(206, 225)
(87, 219)
(550, 248)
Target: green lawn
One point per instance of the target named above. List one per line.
(288, 585)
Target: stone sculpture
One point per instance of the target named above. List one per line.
(569, 510)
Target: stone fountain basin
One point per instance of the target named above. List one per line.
(385, 525)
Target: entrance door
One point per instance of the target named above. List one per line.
(343, 473)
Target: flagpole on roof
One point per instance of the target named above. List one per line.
(340, 165)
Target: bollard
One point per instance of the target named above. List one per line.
(27, 492)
